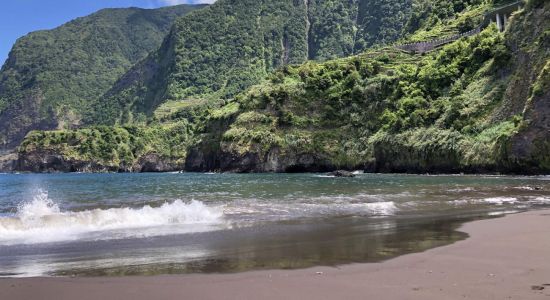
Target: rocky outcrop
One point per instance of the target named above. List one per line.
(52, 162)
(529, 89)
(342, 173)
(530, 148)
(273, 161)
(8, 162)
(23, 116)
(155, 163)
(47, 162)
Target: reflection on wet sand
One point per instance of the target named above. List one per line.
(292, 246)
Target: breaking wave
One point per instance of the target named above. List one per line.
(41, 220)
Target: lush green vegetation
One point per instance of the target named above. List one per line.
(51, 77)
(115, 148)
(477, 104)
(220, 51)
(59, 78)
(349, 110)
(451, 110)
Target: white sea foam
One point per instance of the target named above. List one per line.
(500, 213)
(525, 188)
(358, 205)
(41, 220)
(382, 208)
(540, 200)
(460, 190)
(500, 200)
(490, 200)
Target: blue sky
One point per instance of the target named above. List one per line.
(19, 17)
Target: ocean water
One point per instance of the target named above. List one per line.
(141, 224)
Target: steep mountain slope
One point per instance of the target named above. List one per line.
(233, 44)
(479, 104)
(52, 76)
(529, 88)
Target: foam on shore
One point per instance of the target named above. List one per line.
(41, 220)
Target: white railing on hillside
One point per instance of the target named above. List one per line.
(500, 14)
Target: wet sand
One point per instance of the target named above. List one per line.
(504, 258)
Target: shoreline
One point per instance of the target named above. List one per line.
(495, 174)
(503, 258)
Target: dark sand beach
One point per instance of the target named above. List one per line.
(504, 258)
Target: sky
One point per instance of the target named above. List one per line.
(19, 17)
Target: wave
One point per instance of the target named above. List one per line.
(501, 200)
(500, 213)
(41, 220)
(540, 200)
(490, 200)
(382, 208)
(309, 208)
(525, 188)
(460, 190)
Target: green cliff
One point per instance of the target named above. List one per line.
(479, 104)
(220, 51)
(51, 77)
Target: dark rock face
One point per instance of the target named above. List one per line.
(199, 161)
(47, 162)
(253, 162)
(51, 162)
(408, 160)
(154, 163)
(529, 150)
(21, 117)
(8, 162)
